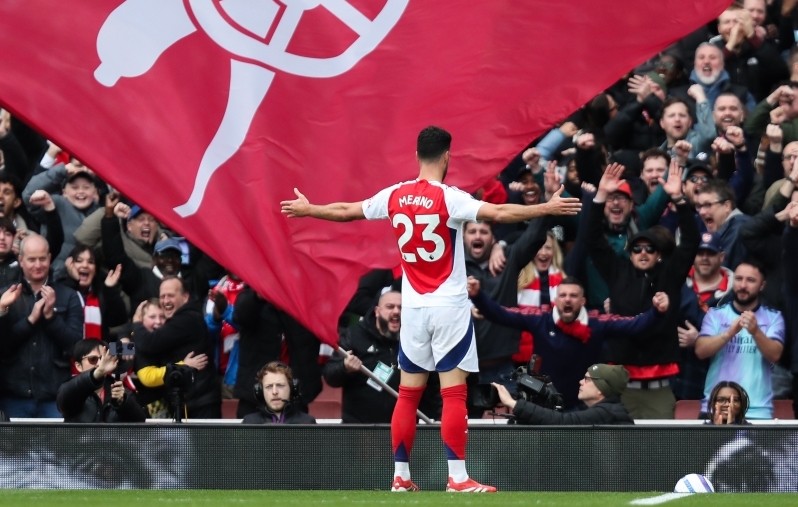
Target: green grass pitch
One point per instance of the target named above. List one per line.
(138, 498)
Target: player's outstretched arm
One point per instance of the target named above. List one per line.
(336, 212)
(509, 213)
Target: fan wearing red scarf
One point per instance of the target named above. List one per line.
(567, 337)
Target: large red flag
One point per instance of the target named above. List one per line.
(209, 112)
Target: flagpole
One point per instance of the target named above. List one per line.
(365, 371)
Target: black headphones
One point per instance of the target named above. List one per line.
(294, 382)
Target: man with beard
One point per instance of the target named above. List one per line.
(743, 338)
(708, 81)
(567, 338)
(11, 199)
(715, 203)
(632, 282)
(373, 343)
(496, 344)
(712, 285)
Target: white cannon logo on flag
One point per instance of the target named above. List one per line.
(138, 31)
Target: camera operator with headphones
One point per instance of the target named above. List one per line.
(277, 394)
(600, 390)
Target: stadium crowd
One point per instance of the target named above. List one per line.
(687, 169)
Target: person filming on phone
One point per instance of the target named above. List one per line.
(92, 395)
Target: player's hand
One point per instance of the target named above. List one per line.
(299, 207)
(559, 205)
(352, 363)
(661, 302)
(688, 335)
(504, 395)
(473, 286)
(475, 313)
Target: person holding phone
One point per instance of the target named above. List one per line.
(93, 395)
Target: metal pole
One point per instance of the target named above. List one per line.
(365, 371)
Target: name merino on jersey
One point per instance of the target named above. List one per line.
(428, 219)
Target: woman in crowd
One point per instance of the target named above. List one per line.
(537, 286)
(103, 306)
(728, 404)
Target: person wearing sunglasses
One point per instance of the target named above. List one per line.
(599, 390)
(93, 396)
(632, 282)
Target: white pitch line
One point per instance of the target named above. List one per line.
(656, 500)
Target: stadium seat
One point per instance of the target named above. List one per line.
(688, 409)
(327, 404)
(229, 408)
(782, 409)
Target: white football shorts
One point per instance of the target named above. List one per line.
(437, 338)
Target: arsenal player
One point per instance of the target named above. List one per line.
(437, 333)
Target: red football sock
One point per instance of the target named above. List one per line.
(454, 421)
(403, 422)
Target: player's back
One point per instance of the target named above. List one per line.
(428, 219)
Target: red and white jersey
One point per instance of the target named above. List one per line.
(428, 219)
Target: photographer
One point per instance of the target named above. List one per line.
(277, 394)
(92, 396)
(600, 390)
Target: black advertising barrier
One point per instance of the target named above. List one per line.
(513, 458)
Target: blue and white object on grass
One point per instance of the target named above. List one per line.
(694, 483)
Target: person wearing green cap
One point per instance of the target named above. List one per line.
(600, 391)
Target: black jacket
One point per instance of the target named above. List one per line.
(35, 358)
(140, 284)
(259, 342)
(607, 411)
(636, 126)
(761, 236)
(112, 306)
(362, 404)
(758, 69)
(631, 290)
(292, 416)
(78, 402)
(184, 332)
(495, 341)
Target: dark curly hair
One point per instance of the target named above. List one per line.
(740, 418)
